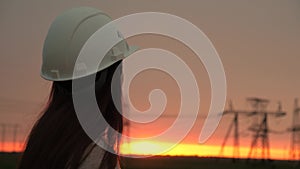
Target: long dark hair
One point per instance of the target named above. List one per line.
(58, 141)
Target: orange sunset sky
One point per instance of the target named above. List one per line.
(257, 41)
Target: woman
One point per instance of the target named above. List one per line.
(57, 140)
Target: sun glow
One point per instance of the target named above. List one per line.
(11, 147)
(155, 148)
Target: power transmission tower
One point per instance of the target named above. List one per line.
(3, 137)
(295, 137)
(260, 127)
(235, 126)
(15, 134)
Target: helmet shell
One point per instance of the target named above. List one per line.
(67, 35)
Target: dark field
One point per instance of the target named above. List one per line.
(9, 161)
(205, 163)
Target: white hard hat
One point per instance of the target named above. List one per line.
(67, 35)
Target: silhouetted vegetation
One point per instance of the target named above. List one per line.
(9, 161)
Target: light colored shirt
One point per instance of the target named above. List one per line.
(94, 158)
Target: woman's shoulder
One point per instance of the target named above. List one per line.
(92, 157)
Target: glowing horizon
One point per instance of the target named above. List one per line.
(144, 148)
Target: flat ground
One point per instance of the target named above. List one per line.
(9, 161)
